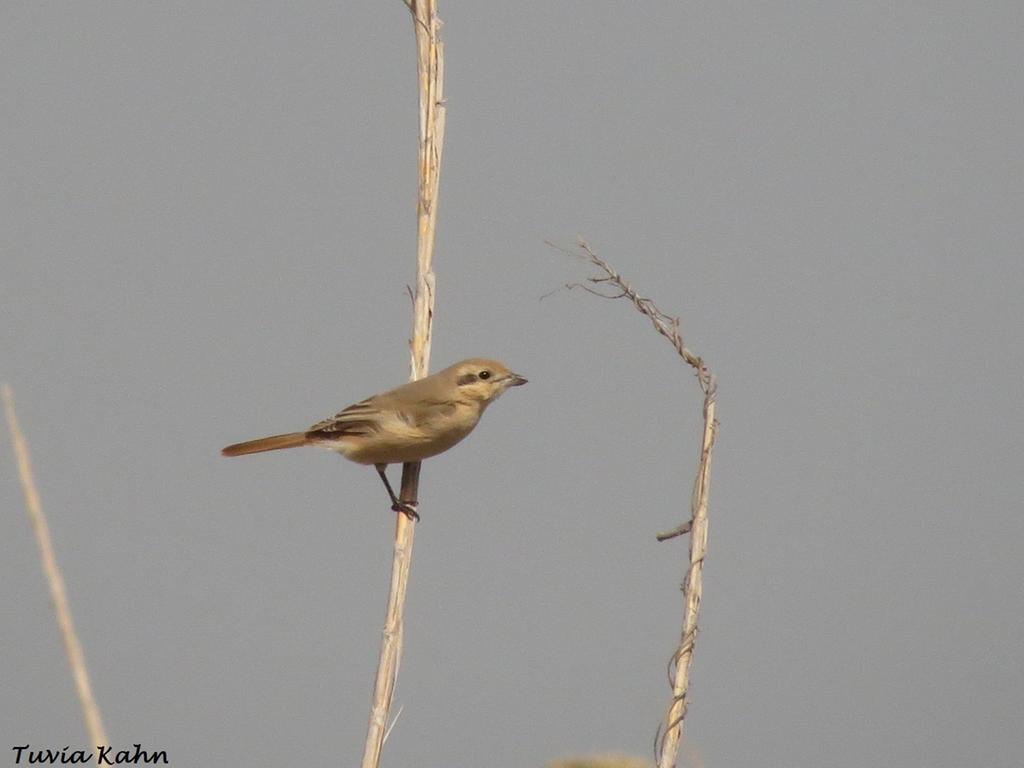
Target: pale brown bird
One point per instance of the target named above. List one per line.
(410, 423)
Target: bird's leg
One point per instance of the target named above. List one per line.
(397, 505)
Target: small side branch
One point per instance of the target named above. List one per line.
(609, 284)
(679, 530)
(58, 593)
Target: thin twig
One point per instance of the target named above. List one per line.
(679, 530)
(666, 325)
(430, 66)
(58, 593)
(670, 731)
(394, 722)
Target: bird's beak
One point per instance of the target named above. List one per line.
(515, 380)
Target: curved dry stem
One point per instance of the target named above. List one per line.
(670, 730)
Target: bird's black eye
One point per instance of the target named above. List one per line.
(485, 375)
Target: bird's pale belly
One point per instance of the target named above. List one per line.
(400, 442)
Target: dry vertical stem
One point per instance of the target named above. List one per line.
(671, 728)
(430, 65)
(76, 657)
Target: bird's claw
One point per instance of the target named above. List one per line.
(407, 508)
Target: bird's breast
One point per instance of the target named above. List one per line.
(412, 434)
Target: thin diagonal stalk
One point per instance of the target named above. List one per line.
(58, 593)
(430, 65)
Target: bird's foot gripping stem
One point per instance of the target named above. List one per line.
(407, 508)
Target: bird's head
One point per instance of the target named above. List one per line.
(483, 380)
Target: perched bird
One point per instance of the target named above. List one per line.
(410, 423)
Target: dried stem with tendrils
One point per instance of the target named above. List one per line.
(670, 730)
(430, 65)
(73, 648)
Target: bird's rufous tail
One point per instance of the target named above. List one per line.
(273, 443)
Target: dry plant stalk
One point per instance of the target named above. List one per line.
(76, 657)
(430, 64)
(670, 731)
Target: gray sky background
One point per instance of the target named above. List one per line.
(208, 226)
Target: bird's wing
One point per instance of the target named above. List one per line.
(428, 412)
(361, 418)
(376, 413)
